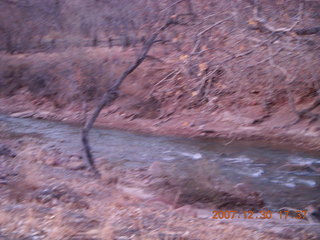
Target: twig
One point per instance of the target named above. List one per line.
(199, 35)
(172, 5)
(263, 25)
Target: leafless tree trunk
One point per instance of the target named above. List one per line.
(112, 93)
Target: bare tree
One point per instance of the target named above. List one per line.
(112, 93)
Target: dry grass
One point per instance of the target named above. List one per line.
(31, 207)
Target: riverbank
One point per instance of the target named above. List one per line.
(54, 86)
(46, 194)
(223, 124)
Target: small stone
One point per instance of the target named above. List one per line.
(6, 151)
(123, 238)
(156, 169)
(112, 180)
(51, 161)
(57, 194)
(103, 163)
(317, 170)
(75, 158)
(186, 211)
(79, 222)
(242, 188)
(76, 165)
(24, 114)
(192, 124)
(295, 167)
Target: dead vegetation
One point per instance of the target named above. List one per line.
(49, 201)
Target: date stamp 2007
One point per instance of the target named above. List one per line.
(263, 214)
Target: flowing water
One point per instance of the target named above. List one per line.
(253, 163)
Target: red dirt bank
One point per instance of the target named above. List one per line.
(225, 124)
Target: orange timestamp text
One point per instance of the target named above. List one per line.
(263, 214)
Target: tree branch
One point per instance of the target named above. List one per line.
(264, 26)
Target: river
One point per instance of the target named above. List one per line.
(254, 163)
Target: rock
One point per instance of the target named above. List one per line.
(20, 190)
(25, 114)
(80, 222)
(4, 182)
(242, 188)
(317, 170)
(6, 151)
(43, 115)
(112, 180)
(186, 211)
(315, 214)
(252, 201)
(296, 167)
(33, 154)
(172, 236)
(82, 237)
(204, 213)
(59, 194)
(75, 158)
(42, 211)
(51, 161)
(75, 163)
(122, 238)
(223, 155)
(103, 163)
(157, 169)
(48, 194)
(127, 233)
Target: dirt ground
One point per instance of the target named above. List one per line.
(47, 195)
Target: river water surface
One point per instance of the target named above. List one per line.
(255, 164)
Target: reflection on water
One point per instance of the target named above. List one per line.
(256, 165)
